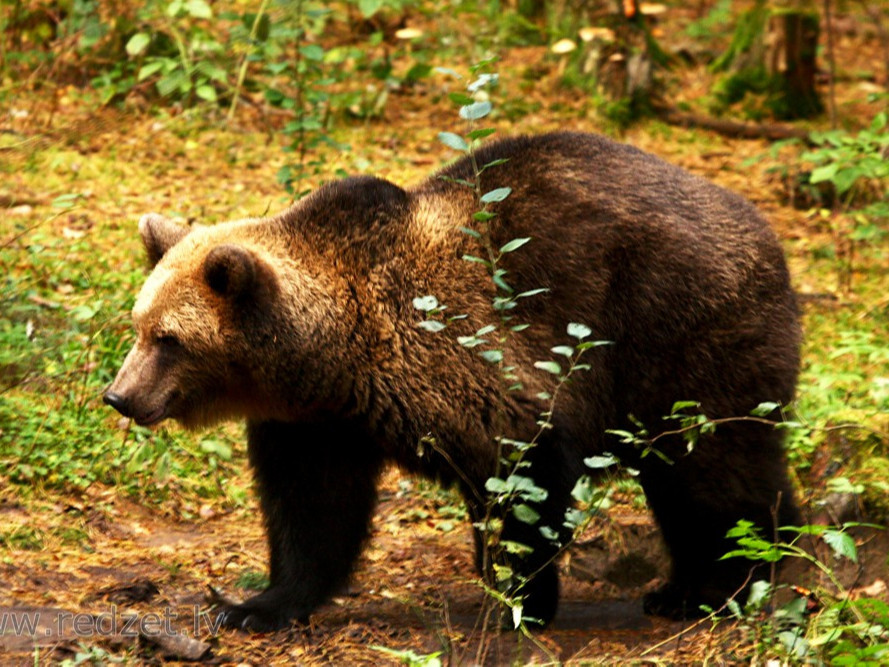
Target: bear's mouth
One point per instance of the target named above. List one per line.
(155, 416)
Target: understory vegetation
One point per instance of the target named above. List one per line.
(213, 111)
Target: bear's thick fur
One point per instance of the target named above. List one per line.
(303, 324)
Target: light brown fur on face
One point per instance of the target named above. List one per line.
(197, 360)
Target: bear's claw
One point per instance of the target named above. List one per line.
(258, 617)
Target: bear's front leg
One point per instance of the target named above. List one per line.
(317, 489)
(535, 568)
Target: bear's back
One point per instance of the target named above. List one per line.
(616, 229)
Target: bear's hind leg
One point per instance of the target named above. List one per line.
(737, 474)
(317, 488)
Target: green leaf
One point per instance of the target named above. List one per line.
(481, 133)
(532, 292)
(211, 71)
(518, 549)
(431, 325)
(67, 200)
(369, 7)
(138, 43)
(470, 232)
(574, 518)
(460, 98)
(148, 69)
(496, 195)
(593, 343)
(759, 592)
(174, 8)
(454, 141)
(417, 72)
(578, 331)
(483, 79)
(447, 71)
(513, 245)
(83, 313)
(492, 356)
(425, 303)
(500, 282)
(845, 178)
(486, 330)
(493, 163)
(496, 485)
(206, 92)
(842, 544)
(599, 462)
(199, 9)
(548, 366)
(483, 216)
(470, 341)
(526, 514)
(173, 82)
(734, 608)
(476, 260)
(476, 110)
(549, 534)
(825, 173)
(679, 406)
(218, 448)
(765, 409)
(312, 52)
(526, 489)
(583, 490)
(564, 350)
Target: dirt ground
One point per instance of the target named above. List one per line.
(139, 585)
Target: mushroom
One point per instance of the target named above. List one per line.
(591, 33)
(561, 48)
(408, 33)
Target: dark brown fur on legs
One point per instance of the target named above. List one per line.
(303, 325)
(303, 472)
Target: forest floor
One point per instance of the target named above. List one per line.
(145, 584)
(80, 561)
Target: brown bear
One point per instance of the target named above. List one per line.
(304, 325)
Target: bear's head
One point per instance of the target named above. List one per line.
(216, 316)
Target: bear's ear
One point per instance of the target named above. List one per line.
(159, 234)
(230, 270)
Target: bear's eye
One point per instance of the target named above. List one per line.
(166, 340)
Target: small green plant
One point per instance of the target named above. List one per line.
(411, 658)
(301, 77)
(857, 169)
(91, 655)
(179, 54)
(252, 580)
(825, 624)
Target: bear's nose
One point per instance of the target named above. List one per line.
(117, 402)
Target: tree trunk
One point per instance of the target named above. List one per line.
(791, 62)
(773, 53)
